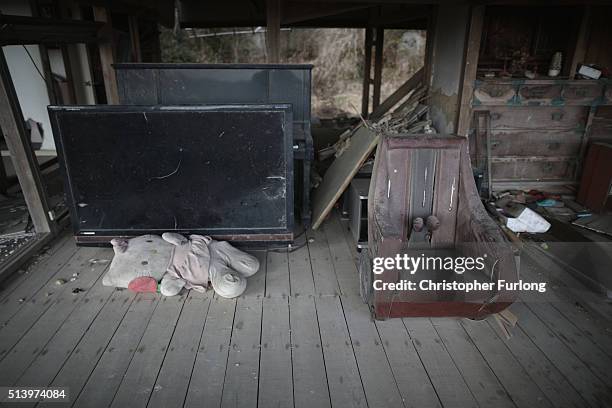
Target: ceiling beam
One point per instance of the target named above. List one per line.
(295, 12)
(21, 30)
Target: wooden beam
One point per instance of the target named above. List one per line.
(21, 30)
(135, 38)
(378, 66)
(296, 12)
(579, 52)
(273, 19)
(367, 68)
(60, 12)
(24, 161)
(398, 95)
(44, 58)
(69, 74)
(469, 70)
(584, 142)
(107, 56)
(429, 43)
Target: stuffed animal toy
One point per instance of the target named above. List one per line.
(170, 263)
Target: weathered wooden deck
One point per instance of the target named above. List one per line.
(299, 337)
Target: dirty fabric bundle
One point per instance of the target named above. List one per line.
(194, 263)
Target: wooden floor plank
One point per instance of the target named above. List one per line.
(412, 379)
(140, 377)
(50, 360)
(300, 273)
(256, 284)
(350, 241)
(26, 336)
(277, 274)
(36, 307)
(587, 351)
(34, 278)
(325, 281)
(522, 389)
(77, 365)
(207, 377)
(38, 260)
(173, 378)
(102, 384)
(599, 331)
(596, 303)
(315, 348)
(376, 375)
(343, 378)
(578, 374)
(242, 374)
(309, 375)
(543, 373)
(483, 383)
(342, 259)
(275, 371)
(445, 377)
(584, 347)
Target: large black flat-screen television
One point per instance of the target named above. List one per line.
(224, 171)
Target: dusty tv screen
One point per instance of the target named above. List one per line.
(215, 170)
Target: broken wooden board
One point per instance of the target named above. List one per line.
(598, 223)
(341, 172)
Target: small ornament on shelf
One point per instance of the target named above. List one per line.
(555, 64)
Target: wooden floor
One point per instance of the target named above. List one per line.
(299, 337)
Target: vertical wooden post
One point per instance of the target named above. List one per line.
(378, 65)
(579, 51)
(61, 12)
(469, 70)
(367, 68)
(273, 17)
(584, 142)
(44, 58)
(24, 161)
(135, 38)
(107, 56)
(429, 45)
(69, 75)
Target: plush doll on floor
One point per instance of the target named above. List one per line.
(169, 263)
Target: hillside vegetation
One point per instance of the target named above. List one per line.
(337, 56)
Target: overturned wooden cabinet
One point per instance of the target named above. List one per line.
(423, 204)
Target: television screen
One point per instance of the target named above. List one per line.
(224, 171)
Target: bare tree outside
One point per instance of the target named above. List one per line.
(337, 56)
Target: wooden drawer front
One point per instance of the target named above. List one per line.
(532, 170)
(540, 94)
(494, 94)
(534, 143)
(546, 118)
(546, 92)
(582, 94)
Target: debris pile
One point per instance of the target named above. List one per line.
(524, 211)
(408, 118)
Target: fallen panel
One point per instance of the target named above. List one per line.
(341, 172)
